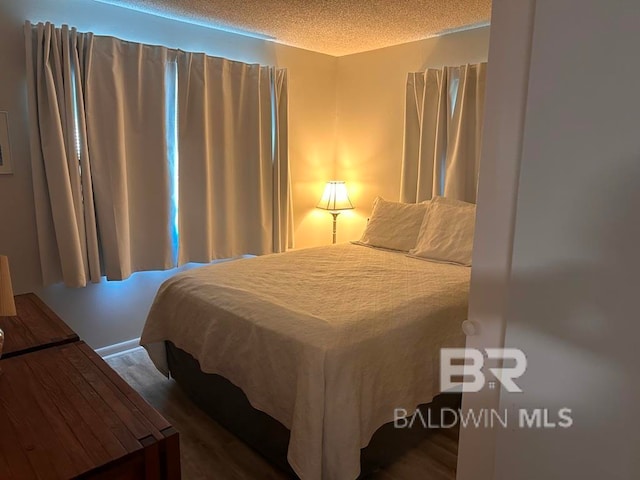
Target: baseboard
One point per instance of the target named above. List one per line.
(118, 348)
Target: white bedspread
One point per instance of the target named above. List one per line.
(329, 340)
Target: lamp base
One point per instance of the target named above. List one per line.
(335, 223)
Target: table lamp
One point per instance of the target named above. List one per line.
(335, 199)
(7, 303)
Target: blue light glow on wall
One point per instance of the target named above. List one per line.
(192, 21)
(76, 120)
(171, 109)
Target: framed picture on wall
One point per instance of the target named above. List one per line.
(5, 148)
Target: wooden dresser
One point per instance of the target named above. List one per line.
(64, 413)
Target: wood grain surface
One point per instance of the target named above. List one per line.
(64, 413)
(35, 327)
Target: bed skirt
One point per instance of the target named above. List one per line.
(228, 405)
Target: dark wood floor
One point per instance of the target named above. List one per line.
(211, 452)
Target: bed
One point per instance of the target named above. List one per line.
(327, 341)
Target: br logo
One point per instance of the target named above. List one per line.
(470, 369)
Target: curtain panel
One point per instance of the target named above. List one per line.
(65, 213)
(126, 116)
(282, 192)
(134, 145)
(443, 132)
(98, 154)
(234, 191)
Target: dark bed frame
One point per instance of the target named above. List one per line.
(228, 405)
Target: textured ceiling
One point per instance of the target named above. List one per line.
(335, 27)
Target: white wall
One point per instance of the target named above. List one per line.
(371, 99)
(108, 313)
(572, 298)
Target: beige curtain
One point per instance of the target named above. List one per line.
(126, 112)
(443, 130)
(282, 194)
(110, 119)
(234, 193)
(98, 153)
(65, 214)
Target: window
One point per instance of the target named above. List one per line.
(171, 109)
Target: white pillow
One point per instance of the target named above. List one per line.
(394, 225)
(446, 234)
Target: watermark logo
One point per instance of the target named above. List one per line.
(472, 364)
(536, 418)
(461, 370)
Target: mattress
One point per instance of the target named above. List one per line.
(328, 341)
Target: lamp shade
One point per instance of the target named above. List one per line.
(7, 303)
(335, 197)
